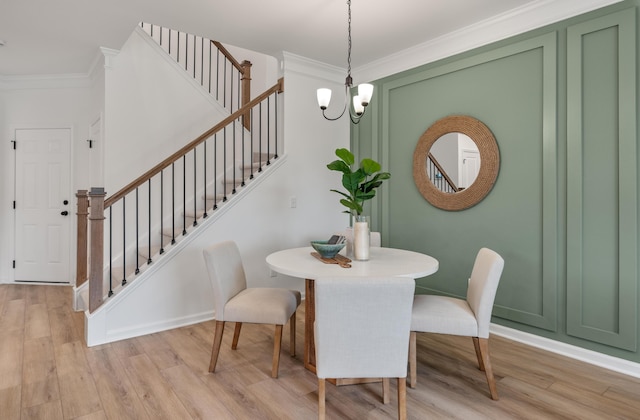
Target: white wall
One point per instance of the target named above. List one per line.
(53, 104)
(152, 108)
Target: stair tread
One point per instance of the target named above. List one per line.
(197, 215)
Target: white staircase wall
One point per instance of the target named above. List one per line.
(152, 108)
(175, 290)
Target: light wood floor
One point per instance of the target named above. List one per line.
(47, 372)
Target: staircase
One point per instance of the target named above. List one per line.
(123, 239)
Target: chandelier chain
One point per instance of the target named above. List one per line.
(349, 40)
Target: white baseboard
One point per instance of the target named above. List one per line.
(615, 364)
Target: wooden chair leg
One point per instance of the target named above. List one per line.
(217, 342)
(483, 346)
(402, 398)
(277, 342)
(386, 388)
(292, 335)
(236, 335)
(413, 368)
(476, 345)
(321, 399)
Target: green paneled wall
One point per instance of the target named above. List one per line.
(602, 181)
(563, 212)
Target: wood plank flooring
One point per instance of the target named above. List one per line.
(47, 372)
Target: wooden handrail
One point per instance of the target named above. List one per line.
(277, 88)
(244, 69)
(229, 57)
(444, 173)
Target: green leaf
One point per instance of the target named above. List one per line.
(346, 156)
(351, 205)
(365, 195)
(370, 166)
(338, 165)
(342, 194)
(370, 186)
(352, 181)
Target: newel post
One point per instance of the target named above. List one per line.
(96, 225)
(81, 244)
(246, 91)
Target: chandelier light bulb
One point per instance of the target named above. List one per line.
(358, 105)
(365, 91)
(324, 97)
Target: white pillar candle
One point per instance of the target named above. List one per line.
(361, 241)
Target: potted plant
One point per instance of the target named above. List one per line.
(357, 182)
(360, 185)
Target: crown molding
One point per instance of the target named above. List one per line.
(45, 81)
(306, 66)
(104, 58)
(531, 16)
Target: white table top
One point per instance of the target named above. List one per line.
(298, 262)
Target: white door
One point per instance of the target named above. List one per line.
(43, 205)
(470, 167)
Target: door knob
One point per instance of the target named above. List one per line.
(64, 213)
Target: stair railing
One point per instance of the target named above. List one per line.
(210, 63)
(137, 224)
(439, 176)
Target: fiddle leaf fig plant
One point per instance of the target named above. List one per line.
(360, 183)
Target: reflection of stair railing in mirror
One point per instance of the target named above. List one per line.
(439, 176)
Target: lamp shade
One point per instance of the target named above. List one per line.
(324, 97)
(358, 105)
(365, 92)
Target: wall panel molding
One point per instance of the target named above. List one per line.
(543, 314)
(602, 199)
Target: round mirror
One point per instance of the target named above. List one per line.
(453, 162)
(456, 162)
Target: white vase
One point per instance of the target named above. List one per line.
(361, 238)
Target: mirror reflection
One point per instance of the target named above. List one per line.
(453, 162)
(456, 162)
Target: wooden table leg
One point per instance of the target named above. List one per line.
(309, 319)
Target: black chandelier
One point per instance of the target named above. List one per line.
(365, 90)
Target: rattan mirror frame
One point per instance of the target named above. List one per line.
(489, 162)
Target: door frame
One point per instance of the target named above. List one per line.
(12, 191)
(461, 173)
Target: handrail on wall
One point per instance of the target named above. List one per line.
(450, 185)
(261, 144)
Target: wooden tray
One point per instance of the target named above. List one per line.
(341, 260)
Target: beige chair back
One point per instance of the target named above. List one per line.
(362, 326)
(483, 285)
(226, 273)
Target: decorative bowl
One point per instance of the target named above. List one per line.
(325, 249)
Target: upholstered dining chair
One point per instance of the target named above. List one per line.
(362, 331)
(465, 317)
(234, 302)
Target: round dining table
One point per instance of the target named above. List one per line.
(382, 262)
